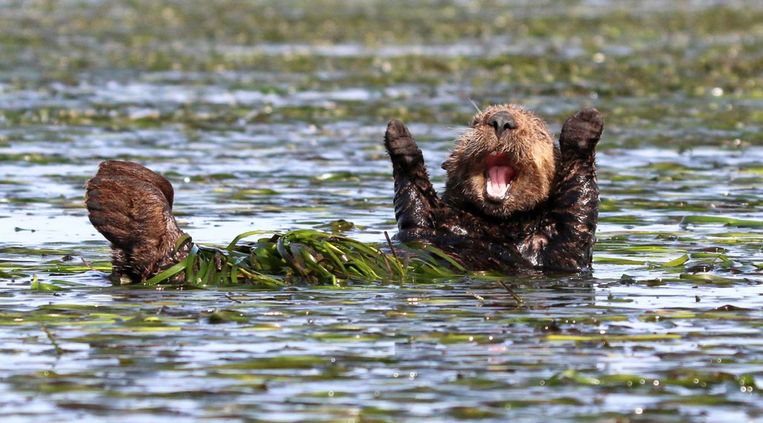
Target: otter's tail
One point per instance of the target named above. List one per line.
(132, 207)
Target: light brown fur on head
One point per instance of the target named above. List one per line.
(527, 148)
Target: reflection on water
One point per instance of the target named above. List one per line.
(270, 116)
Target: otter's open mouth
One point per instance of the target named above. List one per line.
(498, 176)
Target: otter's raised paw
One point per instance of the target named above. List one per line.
(400, 145)
(582, 131)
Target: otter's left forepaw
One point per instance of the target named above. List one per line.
(582, 130)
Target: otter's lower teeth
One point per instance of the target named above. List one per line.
(497, 192)
(498, 181)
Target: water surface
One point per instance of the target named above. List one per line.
(270, 115)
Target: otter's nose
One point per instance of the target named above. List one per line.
(502, 121)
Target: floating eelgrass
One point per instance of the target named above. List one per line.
(305, 256)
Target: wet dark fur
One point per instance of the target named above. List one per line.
(132, 207)
(556, 235)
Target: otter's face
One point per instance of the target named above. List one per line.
(505, 162)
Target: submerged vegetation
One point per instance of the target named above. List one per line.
(268, 116)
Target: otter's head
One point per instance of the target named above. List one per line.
(504, 163)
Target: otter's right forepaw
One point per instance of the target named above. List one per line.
(400, 145)
(582, 131)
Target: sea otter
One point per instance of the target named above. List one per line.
(514, 199)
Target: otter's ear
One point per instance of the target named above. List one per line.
(448, 164)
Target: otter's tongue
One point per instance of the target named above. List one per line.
(499, 180)
(499, 176)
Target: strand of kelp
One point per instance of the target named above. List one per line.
(305, 257)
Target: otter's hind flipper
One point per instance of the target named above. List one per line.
(575, 200)
(132, 207)
(415, 198)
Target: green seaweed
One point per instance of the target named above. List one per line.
(305, 256)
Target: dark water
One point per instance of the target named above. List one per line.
(270, 115)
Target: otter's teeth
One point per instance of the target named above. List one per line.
(499, 181)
